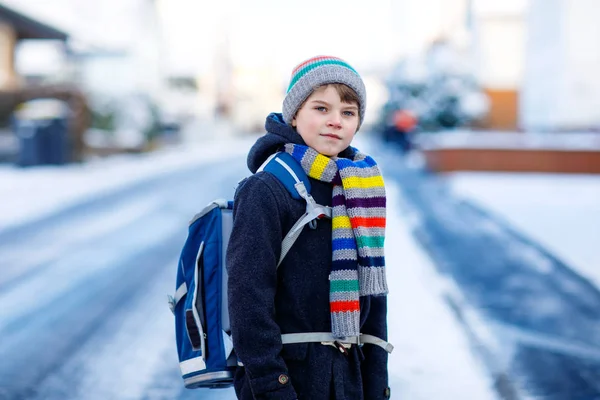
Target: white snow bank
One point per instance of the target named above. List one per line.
(561, 212)
(30, 193)
(432, 358)
(463, 139)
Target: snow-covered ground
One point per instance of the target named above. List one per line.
(433, 358)
(467, 139)
(28, 194)
(559, 211)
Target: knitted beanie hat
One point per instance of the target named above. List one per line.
(319, 71)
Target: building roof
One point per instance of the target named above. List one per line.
(28, 28)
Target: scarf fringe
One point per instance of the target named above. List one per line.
(345, 324)
(372, 281)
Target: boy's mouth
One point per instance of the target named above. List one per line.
(331, 135)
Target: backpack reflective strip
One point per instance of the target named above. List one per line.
(289, 169)
(181, 291)
(267, 161)
(192, 365)
(197, 316)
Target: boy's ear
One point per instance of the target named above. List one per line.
(294, 123)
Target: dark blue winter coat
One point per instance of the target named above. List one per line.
(265, 302)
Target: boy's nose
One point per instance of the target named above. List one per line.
(335, 122)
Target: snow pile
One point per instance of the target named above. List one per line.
(432, 358)
(464, 139)
(560, 212)
(31, 193)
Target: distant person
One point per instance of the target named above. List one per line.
(333, 279)
(405, 122)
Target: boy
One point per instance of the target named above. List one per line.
(333, 278)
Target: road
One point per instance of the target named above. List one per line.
(83, 293)
(537, 322)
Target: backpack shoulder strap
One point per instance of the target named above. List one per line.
(294, 178)
(288, 171)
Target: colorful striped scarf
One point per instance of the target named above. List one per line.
(358, 220)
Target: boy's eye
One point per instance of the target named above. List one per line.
(320, 108)
(349, 113)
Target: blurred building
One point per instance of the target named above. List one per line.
(561, 77)
(129, 59)
(498, 36)
(15, 27)
(537, 60)
(123, 74)
(119, 73)
(485, 37)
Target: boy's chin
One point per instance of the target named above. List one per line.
(329, 152)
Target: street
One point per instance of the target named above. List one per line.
(84, 312)
(543, 318)
(98, 278)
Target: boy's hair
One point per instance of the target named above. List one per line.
(347, 95)
(320, 71)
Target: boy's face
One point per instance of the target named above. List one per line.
(325, 123)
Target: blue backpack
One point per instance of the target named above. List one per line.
(204, 345)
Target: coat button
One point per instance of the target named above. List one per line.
(283, 379)
(387, 393)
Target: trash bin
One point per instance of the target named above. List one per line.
(41, 127)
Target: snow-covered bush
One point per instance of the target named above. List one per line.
(437, 88)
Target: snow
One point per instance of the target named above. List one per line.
(21, 189)
(561, 212)
(433, 357)
(465, 139)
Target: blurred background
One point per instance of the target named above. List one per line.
(121, 119)
(134, 73)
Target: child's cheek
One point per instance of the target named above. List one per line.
(313, 126)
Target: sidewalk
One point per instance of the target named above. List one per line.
(533, 318)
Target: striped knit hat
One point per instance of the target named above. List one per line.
(319, 71)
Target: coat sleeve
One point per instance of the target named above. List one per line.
(252, 255)
(374, 368)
